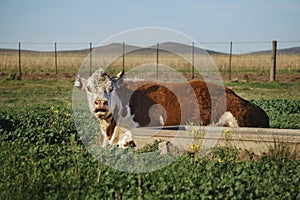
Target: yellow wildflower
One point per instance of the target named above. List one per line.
(192, 146)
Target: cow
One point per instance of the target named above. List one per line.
(121, 106)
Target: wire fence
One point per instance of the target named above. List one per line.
(237, 61)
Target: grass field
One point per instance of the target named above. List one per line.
(256, 66)
(42, 156)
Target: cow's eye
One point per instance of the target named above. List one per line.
(89, 88)
(110, 89)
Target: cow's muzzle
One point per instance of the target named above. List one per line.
(101, 109)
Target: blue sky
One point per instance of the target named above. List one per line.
(206, 21)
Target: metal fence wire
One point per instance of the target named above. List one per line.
(235, 60)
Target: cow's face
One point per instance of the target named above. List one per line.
(103, 100)
(100, 89)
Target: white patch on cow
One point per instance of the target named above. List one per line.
(125, 139)
(161, 120)
(124, 121)
(157, 113)
(227, 119)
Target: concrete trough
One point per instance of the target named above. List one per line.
(257, 140)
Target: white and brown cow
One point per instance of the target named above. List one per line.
(121, 106)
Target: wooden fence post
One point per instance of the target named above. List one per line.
(55, 57)
(193, 61)
(230, 58)
(273, 61)
(157, 60)
(123, 56)
(91, 57)
(20, 63)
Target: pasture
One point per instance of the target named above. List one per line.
(42, 156)
(249, 67)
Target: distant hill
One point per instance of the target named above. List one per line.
(117, 48)
(292, 50)
(184, 49)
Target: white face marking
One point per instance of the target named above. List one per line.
(98, 88)
(94, 92)
(106, 105)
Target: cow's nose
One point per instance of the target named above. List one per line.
(100, 103)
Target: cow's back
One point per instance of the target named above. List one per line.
(194, 101)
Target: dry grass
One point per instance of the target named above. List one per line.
(253, 62)
(40, 62)
(68, 62)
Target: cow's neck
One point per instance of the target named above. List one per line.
(112, 132)
(108, 126)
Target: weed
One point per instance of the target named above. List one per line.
(281, 151)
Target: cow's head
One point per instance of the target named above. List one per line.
(100, 89)
(102, 99)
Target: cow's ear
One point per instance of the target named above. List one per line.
(80, 83)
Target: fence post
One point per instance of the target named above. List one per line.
(193, 61)
(157, 60)
(230, 58)
(20, 64)
(55, 57)
(123, 56)
(91, 57)
(273, 63)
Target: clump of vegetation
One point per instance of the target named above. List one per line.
(283, 113)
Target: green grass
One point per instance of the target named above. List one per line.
(266, 90)
(15, 93)
(283, 113)
(42, 156)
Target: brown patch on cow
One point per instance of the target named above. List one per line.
(110, 129)
(181, 108)
(147, 97)
(246, 113)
